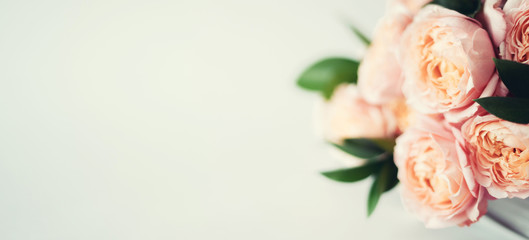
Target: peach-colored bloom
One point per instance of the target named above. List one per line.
(347, 115)
(434, 185)
(492, 18)
(447, 62)
(379, 75)
(404, 115)
(516, 44)
(500, 155)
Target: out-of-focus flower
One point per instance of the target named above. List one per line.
(404, 115)
(379, 75)
(348, 115)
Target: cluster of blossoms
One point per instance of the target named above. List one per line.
(417, 83)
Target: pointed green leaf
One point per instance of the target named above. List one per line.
(360, 147)
(507, 108)
(465, 7)
(385, 143)
(392, 176)
(361, 36)
(374, 194)
(515, 75)
(326, 74)
(385, 180)
(354, 174)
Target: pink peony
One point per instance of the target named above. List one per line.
(348, 115)
(515, 47)
(500, 155)
(447, 62)
(379, 76)
(404, 115)
(435, 187)
(492, 18)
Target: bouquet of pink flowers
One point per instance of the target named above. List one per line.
(439, 103)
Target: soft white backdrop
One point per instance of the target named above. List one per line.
(179, 120)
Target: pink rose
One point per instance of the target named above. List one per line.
(515, 47)
(404, 115)
(434, 185)
(379, 75)
(500, 155)
(492, 18)
(347, 115)
(447, 62)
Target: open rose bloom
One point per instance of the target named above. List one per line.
(418, 84)
(516, 40)
(447, 62)
(429, 157)
(499, 155)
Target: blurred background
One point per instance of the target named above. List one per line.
(180, 120)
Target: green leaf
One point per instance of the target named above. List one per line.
(385, 180)
(386, 144)
(354, 174)
(507, 108)
(361, 36)
(515, 75)
(326, 74)
(392, 176)
(465, 7)
(360, 147)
